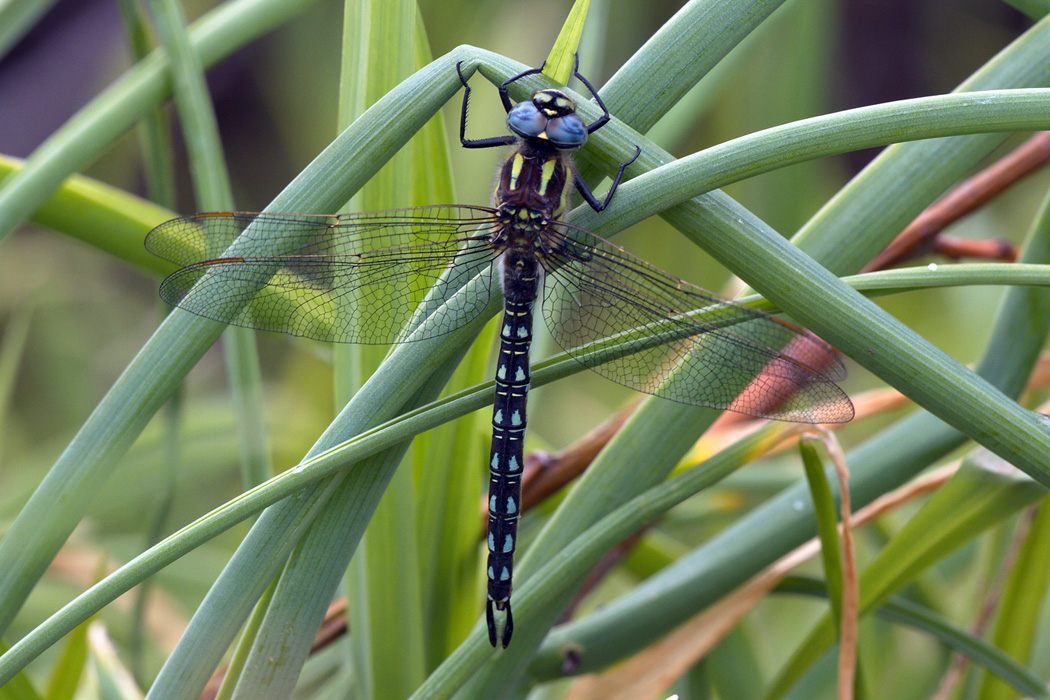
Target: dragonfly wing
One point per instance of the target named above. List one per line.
(661, 335)
(355, 278)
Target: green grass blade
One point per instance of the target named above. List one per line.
(920, 617)
(932, 276)
(383, 583)
(211, 185)
(827, 527)
(927, 118)
(973, 500)
(12, 352)
(154, 133)
(1033, 8)
(677, 56)
(102, 216)
(16, 18)
(240, 654)
(978, 650)
(562, 58)
(668, 66)
(211, 182)
(1017, 617)
(70, 664)
(18, 687)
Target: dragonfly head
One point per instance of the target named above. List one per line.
(549, 117)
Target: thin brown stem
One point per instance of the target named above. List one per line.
(920, 236)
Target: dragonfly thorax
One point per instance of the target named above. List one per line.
(533, 187)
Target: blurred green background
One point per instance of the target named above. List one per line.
(71, 317)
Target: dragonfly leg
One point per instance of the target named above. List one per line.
(504, 97)
(589, 197)
(602, 120)
(479, 143)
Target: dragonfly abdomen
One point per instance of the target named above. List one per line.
(520, 284)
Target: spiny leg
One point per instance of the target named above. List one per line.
(589, 197)
(504, 97)
(476, 143)
(601, 121)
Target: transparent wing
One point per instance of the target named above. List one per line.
(356, 278)
(658, 334)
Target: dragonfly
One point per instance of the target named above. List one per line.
(407, 274)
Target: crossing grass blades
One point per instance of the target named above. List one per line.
(409, 274)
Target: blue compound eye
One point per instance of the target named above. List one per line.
(525, 120)
(567, 133)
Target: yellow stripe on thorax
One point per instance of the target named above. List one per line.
(563, 198)
(517, 163)
(546, 174)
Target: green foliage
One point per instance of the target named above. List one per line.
(827, 527)
(379, 499)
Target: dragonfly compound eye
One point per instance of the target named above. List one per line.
(526, 121)
(567, 133)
